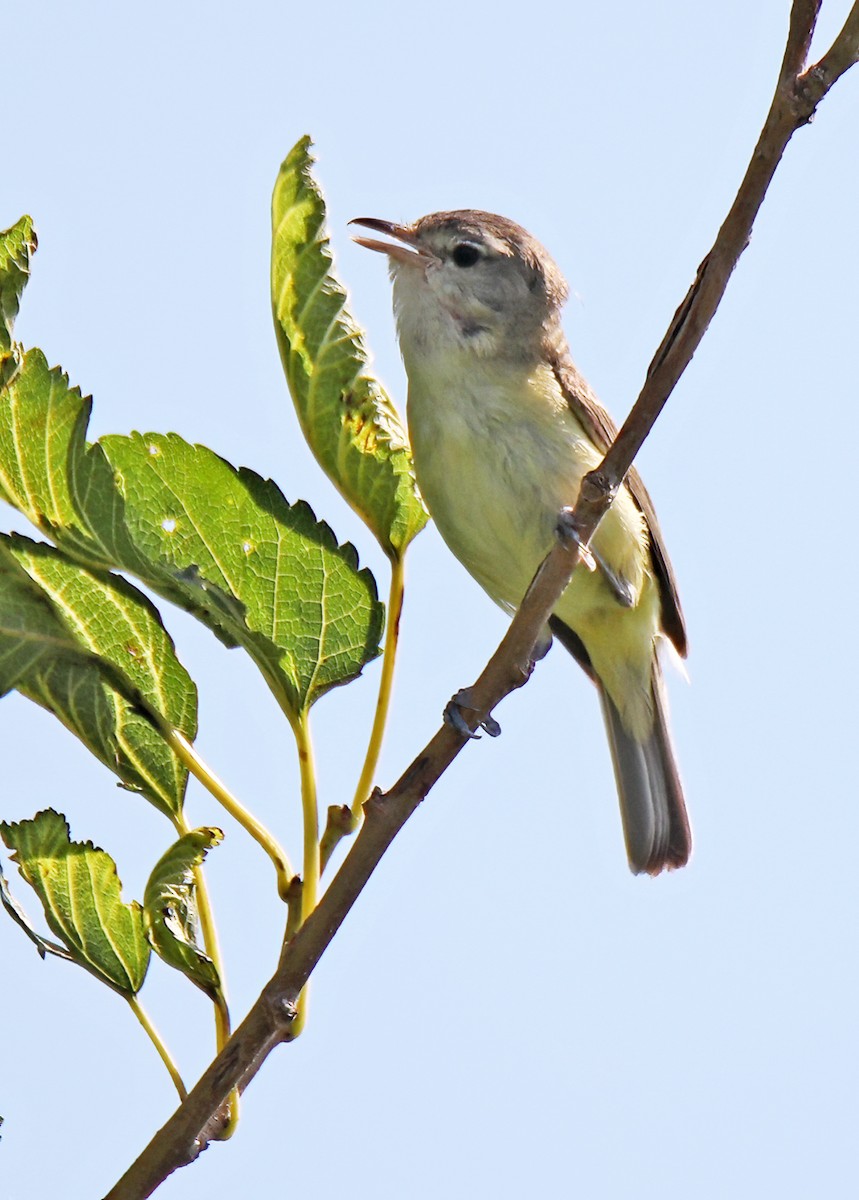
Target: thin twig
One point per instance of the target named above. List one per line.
(842, 55)
(188, 756)
(159, 1044)
(343, 820)
(793, 105)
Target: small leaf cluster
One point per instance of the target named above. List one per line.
(80, 893)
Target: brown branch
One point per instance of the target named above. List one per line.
(796, 97)
(841, 55)
(269, 1021)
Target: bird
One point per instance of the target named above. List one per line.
(503, 429)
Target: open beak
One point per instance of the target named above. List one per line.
(418, 256)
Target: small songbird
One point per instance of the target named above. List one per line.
(503, 430)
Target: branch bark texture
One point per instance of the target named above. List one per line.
(269, 1022)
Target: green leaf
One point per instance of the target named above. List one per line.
(81, 894)
(222, 543)
(43, 455)
(17, 246)
(348, 420)
(266, 572)
(16, 912)
(91, 649)
(170, 910)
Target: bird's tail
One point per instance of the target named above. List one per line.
(655, 823)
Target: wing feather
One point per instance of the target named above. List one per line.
(602, 430)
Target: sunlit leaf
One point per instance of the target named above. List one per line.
(270, 574)
(17, 246)
(349, 422)
(221, 542)
(44, 464)
(44, 945)
(170, 909)
(91, 649)
(81, 894)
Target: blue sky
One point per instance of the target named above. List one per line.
(507, 1012)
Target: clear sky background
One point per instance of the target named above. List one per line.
(507, 1012)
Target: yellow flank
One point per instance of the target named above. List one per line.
(498, 454)
(620, 643)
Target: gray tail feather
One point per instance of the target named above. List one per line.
(655, 823)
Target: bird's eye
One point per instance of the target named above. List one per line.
(465, 254)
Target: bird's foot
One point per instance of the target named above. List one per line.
(454, 716)
(567, 530)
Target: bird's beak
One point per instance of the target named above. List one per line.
(418, 256)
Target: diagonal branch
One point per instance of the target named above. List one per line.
(269, 1022)
(796, 97)
(841, 55)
